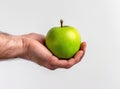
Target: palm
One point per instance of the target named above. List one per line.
(38, 53)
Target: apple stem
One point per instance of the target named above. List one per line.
(61, 22)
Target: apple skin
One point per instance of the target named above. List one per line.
(63, 41)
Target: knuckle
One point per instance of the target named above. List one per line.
(52, 67)
(68, 66)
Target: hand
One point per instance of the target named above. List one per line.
(36, 51)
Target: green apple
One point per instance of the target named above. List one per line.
(63, 41)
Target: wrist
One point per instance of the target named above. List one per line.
(17, 46)
(11, 46)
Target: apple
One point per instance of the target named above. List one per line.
(63, 41)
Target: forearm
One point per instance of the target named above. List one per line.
(10, 46)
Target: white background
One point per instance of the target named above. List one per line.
(98, 22)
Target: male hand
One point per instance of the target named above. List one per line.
(36, 51)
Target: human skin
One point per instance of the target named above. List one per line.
(32, 47)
